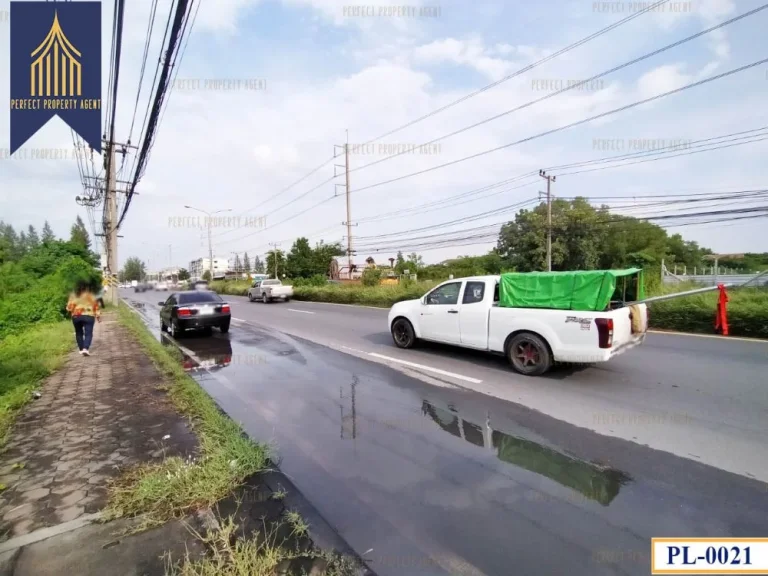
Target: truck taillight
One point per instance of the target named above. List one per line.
(185, 312)
(604, 332)
(225, 309)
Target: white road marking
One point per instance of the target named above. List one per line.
(428, 368)
(385, 309)
(715, 336)
(302, 311)
(238, 320)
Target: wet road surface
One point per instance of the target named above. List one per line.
(424, 478)
(699, 398)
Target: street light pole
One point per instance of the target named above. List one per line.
(210, 244)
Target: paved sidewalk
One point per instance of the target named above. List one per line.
(95, 416)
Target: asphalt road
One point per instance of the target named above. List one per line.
(422, 474)
(700, 398)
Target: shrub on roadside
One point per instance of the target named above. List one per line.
(371, 277)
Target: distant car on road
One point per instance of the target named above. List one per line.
(140, 287)
(194, 310)
(268, 290)
(162, 286)
(200, 285)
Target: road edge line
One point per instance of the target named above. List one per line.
(711, 336)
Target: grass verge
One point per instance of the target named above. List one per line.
(25, 360)
(175, 487)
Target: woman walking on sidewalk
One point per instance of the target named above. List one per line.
(84, 308)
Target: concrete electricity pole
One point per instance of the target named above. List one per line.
(549, 180)
(210, 223)
(110, 226)
(348, 223)
(274, 253)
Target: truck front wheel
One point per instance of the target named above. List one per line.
(403, 334)
(529, 354)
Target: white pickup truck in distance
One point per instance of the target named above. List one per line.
(467, 312)
(268, 290)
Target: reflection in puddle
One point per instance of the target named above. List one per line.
(210, 353)
(592, 481)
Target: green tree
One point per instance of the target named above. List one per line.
(258, 265)
(275, 262)
(133, 269)
(79, 235)
(23, 246)
(48, 235)
(322, 254)
(33, 240)
(299, 261)
(246, 263)
(207, 275)
(183, 274)
(237, 265)
(399, 263)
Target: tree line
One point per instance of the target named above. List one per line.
(37, 272)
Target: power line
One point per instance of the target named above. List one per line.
(643, 154)
(572, 87)
(571, 125)
(162, 89)
(150, 28)
(525, 69)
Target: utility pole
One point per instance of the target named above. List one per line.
(210, 244)
(274, 253)
(110, 229)
(549, 180)
(348, 222)
(349, 208)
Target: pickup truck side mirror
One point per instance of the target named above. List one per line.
(423, 300)
(161, 303)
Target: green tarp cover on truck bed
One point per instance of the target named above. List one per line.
(585, 290)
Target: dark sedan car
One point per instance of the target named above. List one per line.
(194, 310)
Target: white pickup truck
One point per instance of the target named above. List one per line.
(268, 290)
(466, 312)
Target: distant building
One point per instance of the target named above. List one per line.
(198, 267)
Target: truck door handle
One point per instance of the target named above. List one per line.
(453, 311)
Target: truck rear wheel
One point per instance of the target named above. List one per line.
(403, 334)
(529, 354)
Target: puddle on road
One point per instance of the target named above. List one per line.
(589, 481)
(594, 482)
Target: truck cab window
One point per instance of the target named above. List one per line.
(474, 292)
(447, 294)
(496, 293)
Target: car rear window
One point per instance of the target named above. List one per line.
(195, 297)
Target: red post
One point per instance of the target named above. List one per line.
(721, 316)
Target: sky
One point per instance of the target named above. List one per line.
(302, 76)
